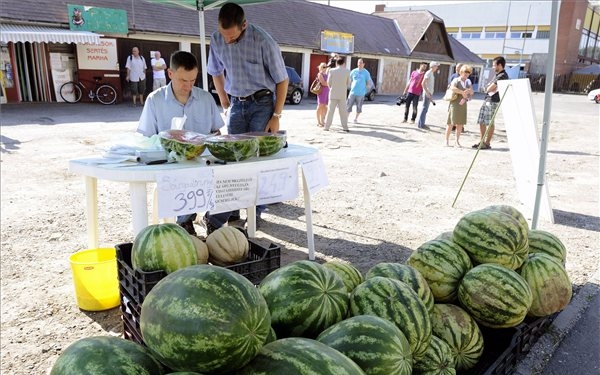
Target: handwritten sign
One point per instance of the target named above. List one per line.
(235, 188)
(278, 182)
(184, 192)
(314, 172)
(101, 56)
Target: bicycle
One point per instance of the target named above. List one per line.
(71, 92)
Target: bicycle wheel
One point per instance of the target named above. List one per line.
(106, 94)
(70, 92)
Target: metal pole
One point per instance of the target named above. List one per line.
(547, 109)
(200, 8)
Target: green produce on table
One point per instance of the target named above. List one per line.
(183, 144)
(232, 147)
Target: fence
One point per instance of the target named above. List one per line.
(566, 83)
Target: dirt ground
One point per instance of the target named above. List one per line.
(391, 188)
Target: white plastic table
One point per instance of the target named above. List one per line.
(138, 176)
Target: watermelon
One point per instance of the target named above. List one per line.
(443, 264)
(460, 331)
(491, 236)
(272, 336)
(397, 302)
(511, 211)
(206, 319)
(373, 343)
(444, 236)
(541, 241)
(350, 275)
(549, 283)
(232, 147)
(300, 356)
(408, 275)
(438, 359)
(184, 373)
(167, 247)
(106, 355)
(183, 143)
(269, 143)
(495, 296)
(304, 298)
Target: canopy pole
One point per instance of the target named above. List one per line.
(547, 109)
(200, 8)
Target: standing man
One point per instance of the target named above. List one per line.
(414, 88)
(180, 97)
(491, 102)
(360, 81)
(136, 75)
(158, 71)
(338, 81)
(253, 91)
(428, 88)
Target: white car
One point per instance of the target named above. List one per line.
(594, 95)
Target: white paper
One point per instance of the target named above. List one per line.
(278, 182)
(235, 188)
(178, 122)
(185, 191)
(314, 172)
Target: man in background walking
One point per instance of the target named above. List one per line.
(428, 88)
(360, 81)
(338, 81)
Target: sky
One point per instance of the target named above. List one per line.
(369, 6)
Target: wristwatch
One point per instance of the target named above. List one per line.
(278, 115)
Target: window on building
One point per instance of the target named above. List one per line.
(542, 35)
(471, 35)
(454, 35)
(519, 35)
(494, 35)
(526, 35)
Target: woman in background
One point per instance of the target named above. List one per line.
(323, 97)
(457, 109)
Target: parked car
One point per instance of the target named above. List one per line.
(370, 96)
(594, 95)
(295, 91)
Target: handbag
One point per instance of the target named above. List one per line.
(316, 87)
(450, 95)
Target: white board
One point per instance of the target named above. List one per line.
(521, 131)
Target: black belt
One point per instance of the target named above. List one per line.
(257, 95)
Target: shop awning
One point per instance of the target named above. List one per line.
(40, 34)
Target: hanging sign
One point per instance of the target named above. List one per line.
(278, 182)
(314, 173)
(185, 191)
(338, 42)
(101, 56)
(101, 20)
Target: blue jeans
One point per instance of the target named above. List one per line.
(244, 117)
(423, 114)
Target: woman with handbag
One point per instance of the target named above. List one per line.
(323, 96)
(457, 109)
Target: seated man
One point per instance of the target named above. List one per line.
(180, 97)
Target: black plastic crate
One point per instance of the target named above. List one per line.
(134, 284)
(504, 348)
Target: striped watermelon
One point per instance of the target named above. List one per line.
(444, 236)
(206, 319)
(460, 331)
(407, 275)
(300, 356)
(510, 210)
(495, 296)
(491, 236)
(541, 241)
(304, 298)
(438, 359)
(106, 355)
(397, 302)
(443, 264)
(166, 247)
(349, 274)
(373, 343)
(549, 283)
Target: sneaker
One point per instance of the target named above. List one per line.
(404, 121)
(189, 227)
(346, 130)
(208, 227)
(412, 121)
(425, 127)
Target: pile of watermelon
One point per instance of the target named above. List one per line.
(423, 317)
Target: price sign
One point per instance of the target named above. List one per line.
(184, 192)
(278, 182)
(314, 172)
(235, 188)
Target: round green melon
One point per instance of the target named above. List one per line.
(397, 302)
(269, 143)
(300, 356)
(495, 296)
(232, 147)
(205, 319)
(408, 275)
(492, 236)
(444, 236)
(459, 330)
(184, 373)
(442, 264)
(373, 343)
(163, 247)
(510, 210)
(350, 275)
(549, 283)
(304, 298)
(544, 242)
(106, 355)
(438, 359)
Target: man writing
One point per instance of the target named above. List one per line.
(253, 91)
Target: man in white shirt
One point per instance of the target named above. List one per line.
(158, 71)
(136, 75)
(428, 87)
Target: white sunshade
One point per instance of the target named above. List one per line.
(28, 33)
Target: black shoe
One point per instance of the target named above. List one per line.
(189, 227)
(208, 227)
(234, 217)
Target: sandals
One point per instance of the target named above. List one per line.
(321, 125)
(484, 146)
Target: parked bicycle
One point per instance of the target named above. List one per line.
(71, 91)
